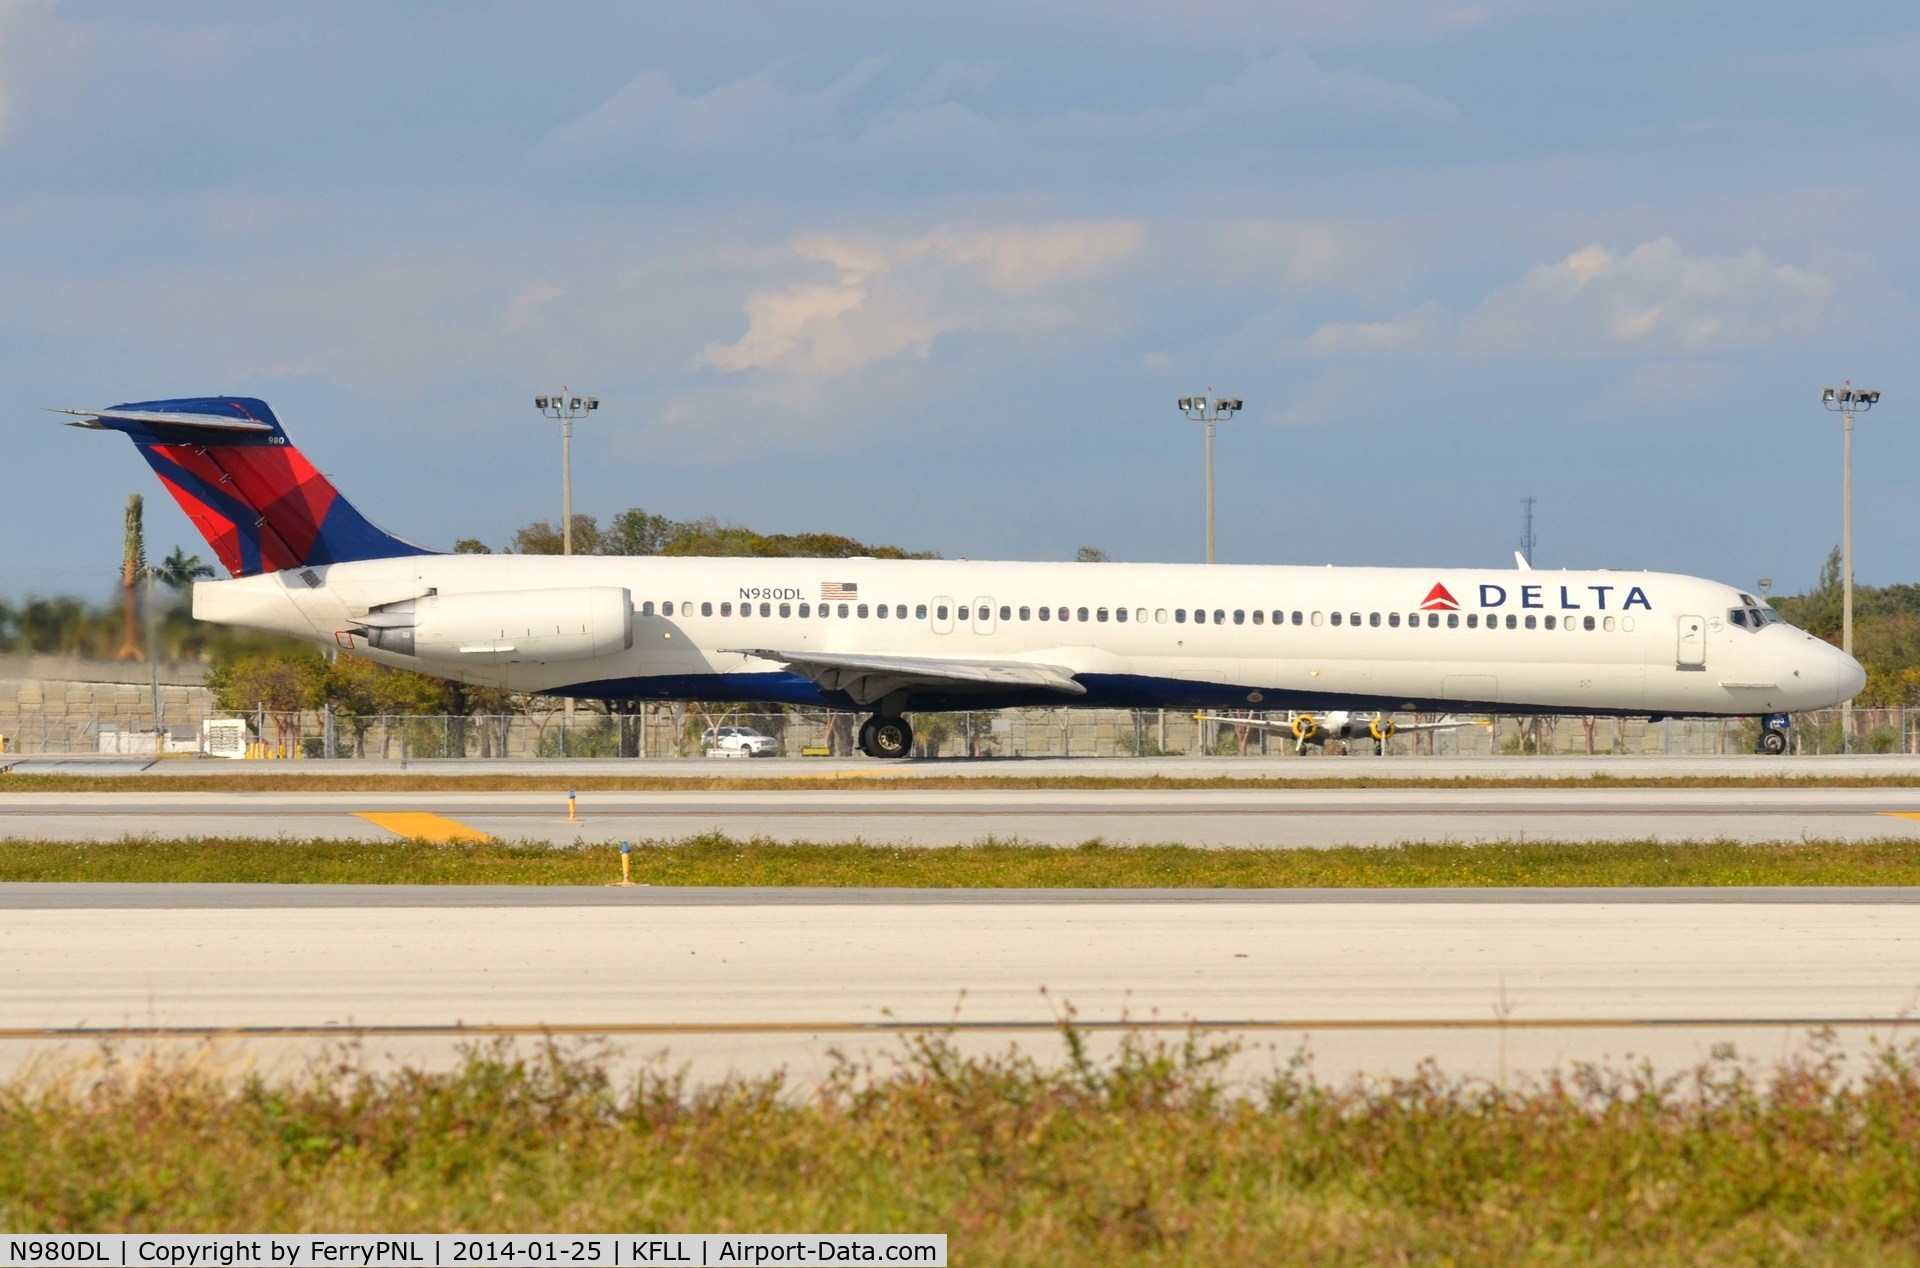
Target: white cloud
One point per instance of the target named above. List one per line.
(1653, 300)
(892, 299)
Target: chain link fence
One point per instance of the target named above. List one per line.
(549, 730)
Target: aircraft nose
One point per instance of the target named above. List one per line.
(1830, 674)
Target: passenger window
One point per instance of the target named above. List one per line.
(1259, 617)
(666, 608)
(1046, 614)
(1006, 613)
(1298, 615)
(843, 609)
(899, 611)
(1393, 620)
(1219, 616)
(1549, 622)
(786, 609)
(1199, 616)
(1100, 614)
(920, 612)
(1529, 622)
(1316, 618)
(1626, 625)
(1026, 614)
(806, 610)
(1586, 622)
(1473, 620)
(1120, 614)
(861, 611)
(766, 609)
(1179, 616)
(706, 609)
(1083, 614)
(1609, 625)
(1159, 616)
(1239, 616)
(1433, 620)
(1336, 618)
(1140, 615)
(962, 615)
(1453, 620)
(880, 612)
(1373, 619)
(726, 609)
(1063, 614)
(646, 609)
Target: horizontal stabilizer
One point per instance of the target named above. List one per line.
(97, 419)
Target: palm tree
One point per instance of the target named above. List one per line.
(180, 570)
(132, 567)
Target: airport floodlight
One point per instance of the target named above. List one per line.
(1209, 410)
(564, 409)
(1848, 401)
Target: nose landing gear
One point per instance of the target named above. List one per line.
(886, 737)
(1773, 735)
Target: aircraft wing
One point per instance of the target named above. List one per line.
(868, 678)
(1447, 723)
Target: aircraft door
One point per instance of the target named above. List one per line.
(983, 615)
(942, 614)
(1691, 651)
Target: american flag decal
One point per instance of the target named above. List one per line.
(830, 590)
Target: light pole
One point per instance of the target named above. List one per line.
(563, 409)
(1209, 410)
(1845, 403)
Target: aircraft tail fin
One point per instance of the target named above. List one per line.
(256, 499)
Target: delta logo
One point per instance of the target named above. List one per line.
(1604, 598)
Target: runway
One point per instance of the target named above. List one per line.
(915, 816)
(1490, 983)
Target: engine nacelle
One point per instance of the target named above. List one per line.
(506, 626)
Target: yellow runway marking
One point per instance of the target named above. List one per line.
(419, 824)
(1901, 814)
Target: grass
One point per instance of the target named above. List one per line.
(720, 860)
(1147, 1158)
(559, 782)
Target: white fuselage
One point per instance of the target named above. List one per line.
(1271, 637)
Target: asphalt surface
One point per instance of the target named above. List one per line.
(748, 982)
(909, 815)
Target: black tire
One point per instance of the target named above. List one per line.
(889, 738)
(1773, 742)
(865, 742)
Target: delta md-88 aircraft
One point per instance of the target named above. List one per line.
(893, 637)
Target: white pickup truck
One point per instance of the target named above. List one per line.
(737, 741)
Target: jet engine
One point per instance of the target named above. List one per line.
(505, 626)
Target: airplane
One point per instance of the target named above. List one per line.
(1340, 726)
(891, 637)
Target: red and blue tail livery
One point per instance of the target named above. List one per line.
(256, 499)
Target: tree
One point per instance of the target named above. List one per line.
(1091, 555)
(180, 570)
(543, 538)
(281, 686)
(471, 546)
(635, 531)
(133, 566)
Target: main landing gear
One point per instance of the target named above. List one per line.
(886, 737)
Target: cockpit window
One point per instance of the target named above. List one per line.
(1738, 616)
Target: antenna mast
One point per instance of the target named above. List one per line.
(1526, 529)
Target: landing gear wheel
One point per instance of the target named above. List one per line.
(1773, 741)
(889, 738)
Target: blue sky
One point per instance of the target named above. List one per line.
(934, 275)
